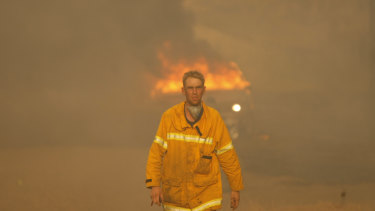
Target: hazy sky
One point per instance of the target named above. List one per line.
(78, 73)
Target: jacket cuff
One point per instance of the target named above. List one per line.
(238, 188)
(152, 182)
(236, 183)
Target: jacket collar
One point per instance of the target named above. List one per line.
(181, 114)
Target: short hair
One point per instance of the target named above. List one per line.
(193, 74)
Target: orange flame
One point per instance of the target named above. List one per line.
(219, 75)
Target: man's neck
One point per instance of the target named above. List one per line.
(192, 112)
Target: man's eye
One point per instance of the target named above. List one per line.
(197, 88)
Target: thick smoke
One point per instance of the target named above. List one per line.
(77, 73)
(311, 68)
(73, 72)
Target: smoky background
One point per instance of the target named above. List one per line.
(76, 117)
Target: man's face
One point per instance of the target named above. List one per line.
(193, 91)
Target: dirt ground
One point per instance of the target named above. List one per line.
(110, 178)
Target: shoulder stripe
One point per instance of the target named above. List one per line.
(224, 149)
(161, 142)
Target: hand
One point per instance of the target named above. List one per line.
(156, 195)
(234, 199)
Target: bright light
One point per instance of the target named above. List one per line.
(236, 108)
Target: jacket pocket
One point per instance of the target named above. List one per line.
(201, 180)
(204, 165)
(172, 190)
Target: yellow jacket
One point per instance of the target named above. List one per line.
(185, 159)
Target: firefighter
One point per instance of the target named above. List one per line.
(191, 143)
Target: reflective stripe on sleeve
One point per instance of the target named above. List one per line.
(224, 149)
(189, 138)
(212, 203)
(161, 142)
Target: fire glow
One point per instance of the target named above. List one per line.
(219, 75)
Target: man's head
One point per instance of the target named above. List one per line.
(193, 88)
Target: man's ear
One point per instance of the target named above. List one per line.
(182, 90)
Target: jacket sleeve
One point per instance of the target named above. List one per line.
(155, 156)
(227, 156)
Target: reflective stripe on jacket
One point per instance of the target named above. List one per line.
(184, 160)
